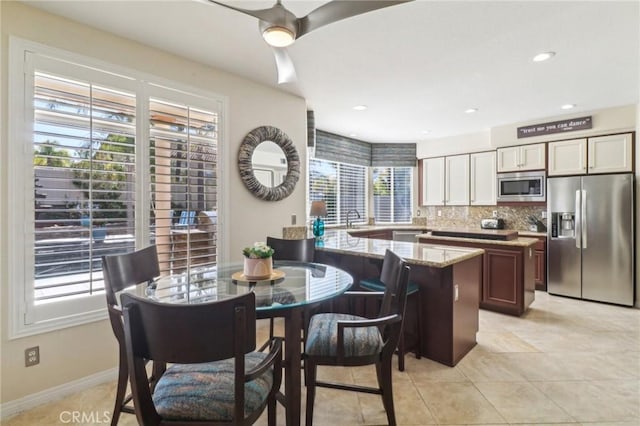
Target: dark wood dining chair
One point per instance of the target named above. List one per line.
(214, 375)
(413, 295)
(121, 271)
(335, 339)
(302, 250)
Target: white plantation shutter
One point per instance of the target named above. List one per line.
(183, 158)
(83, 147)
(341, 186)
(392, 189)
(100, 165)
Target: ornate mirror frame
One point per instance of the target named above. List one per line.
(249, 144)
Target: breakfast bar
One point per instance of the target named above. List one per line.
(448, 278)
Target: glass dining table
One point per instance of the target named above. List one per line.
(293, 287)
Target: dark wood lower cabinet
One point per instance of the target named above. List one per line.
(448, 300)
(541, 264)
(508, 277)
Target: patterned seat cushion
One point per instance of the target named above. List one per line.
(322, 337)
(205, 391)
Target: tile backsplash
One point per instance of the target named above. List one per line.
(470, 216)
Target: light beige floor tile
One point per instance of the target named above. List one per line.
(459, 403)
(503, 341)
(489, 367)
(425, 371)
(520, 402)
(596, 401)
(409, 407)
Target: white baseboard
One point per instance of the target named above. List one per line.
(55, 393)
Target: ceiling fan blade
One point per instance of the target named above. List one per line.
(337, 10)
(284, 65)
(263, 14)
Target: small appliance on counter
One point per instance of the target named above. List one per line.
(535, 225)
(494, 223)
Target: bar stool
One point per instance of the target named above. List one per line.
(413, 291)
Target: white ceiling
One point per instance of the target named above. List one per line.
(417, 66)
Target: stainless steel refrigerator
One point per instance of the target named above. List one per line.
(590, 252)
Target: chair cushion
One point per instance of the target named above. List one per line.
(374, 284)
(322, 337)
(206, 391)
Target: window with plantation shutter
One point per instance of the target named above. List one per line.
(183, 157)
(392, 189)
(100, 163)
(342, 186)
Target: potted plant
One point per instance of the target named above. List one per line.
(258, 261)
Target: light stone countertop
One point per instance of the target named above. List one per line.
(518, 242)
(433, 255)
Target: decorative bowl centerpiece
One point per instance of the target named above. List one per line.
(258, 261)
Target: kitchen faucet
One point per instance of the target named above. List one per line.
(349, 223)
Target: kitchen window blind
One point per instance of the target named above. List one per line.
(341, 186)
(392, 189)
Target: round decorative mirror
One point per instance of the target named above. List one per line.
(269, 163)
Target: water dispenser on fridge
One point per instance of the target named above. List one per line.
(563, 225)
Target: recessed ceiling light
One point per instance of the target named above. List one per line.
(352, 135)
(360, 107)
(471, 110)
(544, 56)
(568, 106)
(426, 132)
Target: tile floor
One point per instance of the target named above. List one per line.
(564, 362)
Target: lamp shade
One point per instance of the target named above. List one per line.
(318, 208)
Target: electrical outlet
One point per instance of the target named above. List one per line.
(543, 214)
(32, 356)
(456, 293)
(293, 219)
(439, 213)
(495, 213)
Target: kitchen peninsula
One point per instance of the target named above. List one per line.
(449, 280)
(508, 278)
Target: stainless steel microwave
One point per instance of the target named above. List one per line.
(521, 187)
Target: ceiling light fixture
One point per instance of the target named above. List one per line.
(544, 56)
(360, 107)
(568, 106)
(352, 135)
(471, 110)
(426, 132)
(278, 36)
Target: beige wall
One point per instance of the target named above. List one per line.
(73, 353)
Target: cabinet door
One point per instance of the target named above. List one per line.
(457, 180)
(568, 157)
(610, 154)
(433, 181)
(483, 179)
(532, 157)
(508, 159)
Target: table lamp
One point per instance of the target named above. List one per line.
(319, 210)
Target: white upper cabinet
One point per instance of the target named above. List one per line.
(457, 180)
(433, 181)
(483, 178)
(568, 157)
(521, 158)
(610, 154)
(605, 154)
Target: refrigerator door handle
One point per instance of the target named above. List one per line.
(578, 221)
(583, 219)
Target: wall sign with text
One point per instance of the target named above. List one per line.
(569, 125)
